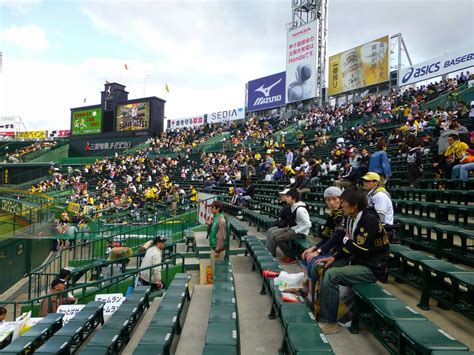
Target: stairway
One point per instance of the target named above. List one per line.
(193, 335)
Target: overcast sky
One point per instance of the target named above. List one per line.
(56, 53)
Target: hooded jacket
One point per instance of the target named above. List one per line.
(300, 221)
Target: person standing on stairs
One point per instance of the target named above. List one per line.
(217, 233)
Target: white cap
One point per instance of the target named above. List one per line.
(332, 191)
(284, 191)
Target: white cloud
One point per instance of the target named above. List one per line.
(29, 37)
(205, 50)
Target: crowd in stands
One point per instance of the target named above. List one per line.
(18, 155)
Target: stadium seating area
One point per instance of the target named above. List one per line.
(434, 227)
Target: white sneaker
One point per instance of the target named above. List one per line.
(345, 325)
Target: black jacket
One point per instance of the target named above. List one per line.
(368, 246)
(285, 217)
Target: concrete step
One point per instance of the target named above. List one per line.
(193, 335)
(141, 327)
(258, 334)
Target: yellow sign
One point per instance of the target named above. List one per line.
(74, 207)
(359, 67)
(33, 134)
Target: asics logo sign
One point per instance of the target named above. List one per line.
(421, 72)
(266, 94)
(445, 64)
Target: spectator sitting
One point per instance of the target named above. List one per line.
(301, 184)
(380, 164)
(347, 176)
(298, 228)
(367, 243)
(453, 155)
(247, 194)
(311, 255)
(466, 164)
(280, 225)
(51, 304)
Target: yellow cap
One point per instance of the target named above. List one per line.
(371, 177)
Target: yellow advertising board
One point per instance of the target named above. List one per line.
(32, 134)
(359, 67)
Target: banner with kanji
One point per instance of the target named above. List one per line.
(359, 67)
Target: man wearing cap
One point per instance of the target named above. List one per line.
(378, 198)
(152, 276)
(280, 225)
(217, 233)
(298, 228)
(332, 197)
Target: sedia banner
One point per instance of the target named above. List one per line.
(359, 67)
(32, 134)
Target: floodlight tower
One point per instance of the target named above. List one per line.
(304, 11)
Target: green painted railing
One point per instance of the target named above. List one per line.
(107, 285)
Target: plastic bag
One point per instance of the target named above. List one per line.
(286, 281)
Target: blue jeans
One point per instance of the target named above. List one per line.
(334, 277)
(461, 171)
(309, 265)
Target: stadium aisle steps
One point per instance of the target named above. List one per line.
(193, 335)
(258, 334)
(141, 327)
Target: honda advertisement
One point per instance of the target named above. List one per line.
(445, 64)
(302, 62)
(265, 93)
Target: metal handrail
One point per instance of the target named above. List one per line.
(104, 284)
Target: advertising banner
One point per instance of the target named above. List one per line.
(59, 133)
(133, 117)
(302, 62)
(444, 64)
(8, 133)
(359, 67)
(226, 115)
(204, 209)
(32, 134)
(86, 121)
(186, 122)
(69, 311)
(267, 92)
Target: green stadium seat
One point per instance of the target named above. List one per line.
(296, 313)
(222, 334)
(223, 314)
(211, 349)
(59, 345)
(305, 337)
(424, 338)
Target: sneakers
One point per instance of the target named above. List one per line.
(346, 324)
(328, 328)
(286, 260)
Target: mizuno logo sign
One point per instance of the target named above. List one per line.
(266, 90)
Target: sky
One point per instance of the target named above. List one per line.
(56, 53)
